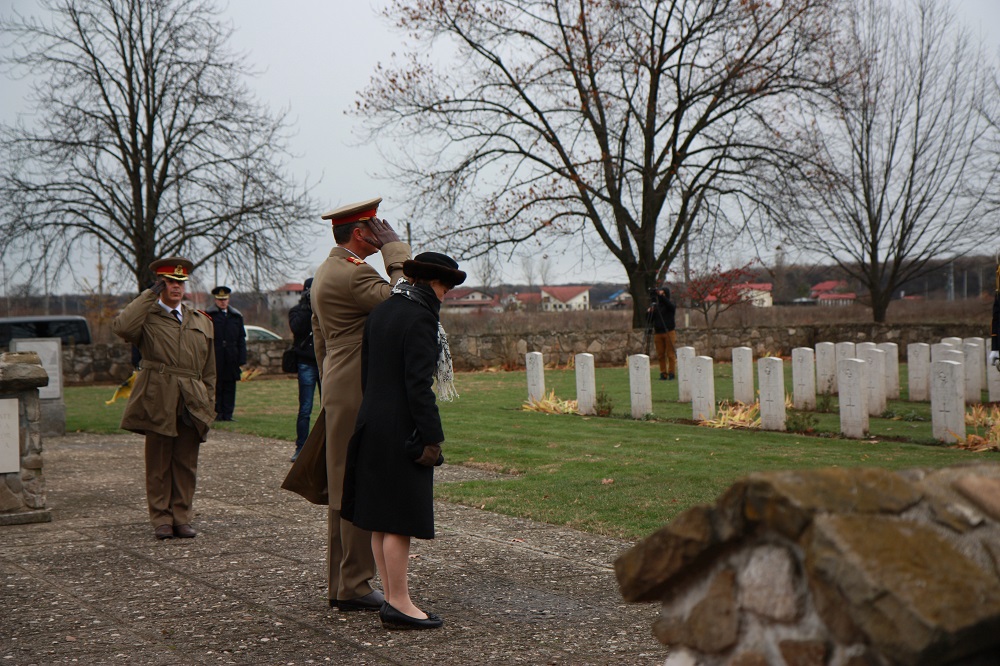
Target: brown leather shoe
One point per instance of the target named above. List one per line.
(164, 532)
(185, 532)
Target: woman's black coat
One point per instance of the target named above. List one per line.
(384, 489)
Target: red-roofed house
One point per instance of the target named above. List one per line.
(556, 299)
(828, 287)
(469, 300)
(285, 296)
(836, 299)
(758, 293)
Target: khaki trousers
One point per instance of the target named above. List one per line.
(171, 471)
(349, 560)
(665, 351)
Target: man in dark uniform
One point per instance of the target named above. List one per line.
(171, 402)
(230, 351)
(344, 290)
(662, 315)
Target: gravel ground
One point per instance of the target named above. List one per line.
(94, 586)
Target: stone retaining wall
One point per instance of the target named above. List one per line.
(105, 363)
(830, 567)
(22, 492)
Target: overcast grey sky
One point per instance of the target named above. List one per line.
(315, 56)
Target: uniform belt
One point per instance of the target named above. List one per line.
(344, 340)
(168, 369)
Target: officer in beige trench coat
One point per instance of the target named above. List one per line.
(173, 400)
(344, 290)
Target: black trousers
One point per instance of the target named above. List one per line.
(225, 399)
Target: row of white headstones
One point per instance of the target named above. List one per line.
(864, 375)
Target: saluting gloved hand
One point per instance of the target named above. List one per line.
(159, 286)
(430, 456)
(994, 357)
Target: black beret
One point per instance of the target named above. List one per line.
(434, 266)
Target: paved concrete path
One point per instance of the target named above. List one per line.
(94, 586)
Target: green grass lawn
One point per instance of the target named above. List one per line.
(613, 476)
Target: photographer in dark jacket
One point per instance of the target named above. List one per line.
(230, 351)
(300, 322)
(661, 314)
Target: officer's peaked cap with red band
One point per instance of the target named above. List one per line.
(355, 212)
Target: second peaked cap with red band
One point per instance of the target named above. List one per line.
(355, 212)
(174, 268)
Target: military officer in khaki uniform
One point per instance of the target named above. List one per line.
(173, 400)
(344, 290)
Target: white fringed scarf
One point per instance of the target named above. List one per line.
(444, 374)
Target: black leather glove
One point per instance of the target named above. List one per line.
(430, 456)
(159, 286)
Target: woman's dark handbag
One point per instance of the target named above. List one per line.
(290, 361)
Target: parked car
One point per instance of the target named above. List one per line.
(261, 334)
(72, 329)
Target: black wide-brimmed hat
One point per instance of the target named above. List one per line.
(434, 266)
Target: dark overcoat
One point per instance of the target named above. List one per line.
(230, 343)
(384, 489)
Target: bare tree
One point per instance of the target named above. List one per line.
(146, 142)
(623, 120)
(895, 171)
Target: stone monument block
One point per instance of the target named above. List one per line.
(984, 347)
(803, 379)
(536, 375)
(853, 386)
(875, 375)
(743, 375)
(918, 367)
(685, 357)
(10, 437)
(891, 350)
(51, 402)
(948, 401)
(586, 384)
(772, 393)
(844, 350)
(862, 347)
(640, 387)
(702, 388)
(939, 348)
(975, 368)
(953, 341)
(826, 368)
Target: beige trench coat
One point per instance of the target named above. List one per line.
(343, 293)
(156, 397)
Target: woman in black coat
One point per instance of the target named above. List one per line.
(397, 439)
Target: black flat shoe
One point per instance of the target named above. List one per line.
(393, 619)
(372, 601)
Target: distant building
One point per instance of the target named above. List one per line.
(758, 293)
(469, 300)
(285, 296)
(828, 287)
(619, 300)
(836, 299)
(558, 299)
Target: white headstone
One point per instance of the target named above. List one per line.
(939, 348)
(993, 382)
(10, 437)
(947, 401)
(875, 375)
(702, 388)
(862, 347)
(685, 357)
(918, 370)
(974, 363)
(586, 384)
(536, 375)
(771, 375)
(956, 355)
(826, 368)
(49, 350)
(891, 350)
(844, 350)
(743, 375)
(954, 342)
(853, 387)
(983, 346)
(640, 387)
(803, 379)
